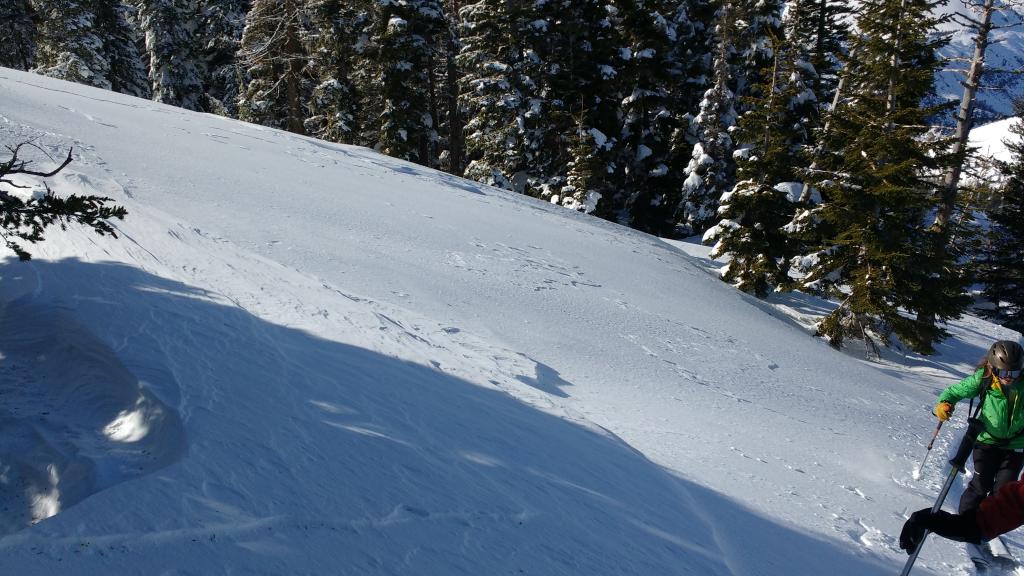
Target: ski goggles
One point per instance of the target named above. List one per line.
(1006, 373)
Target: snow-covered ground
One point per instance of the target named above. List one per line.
(308, 358)
(988, 139)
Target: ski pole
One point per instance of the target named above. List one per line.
(928, 452)
(974, 427)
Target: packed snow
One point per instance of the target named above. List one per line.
(308, 358)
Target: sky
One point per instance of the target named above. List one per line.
(301, 357)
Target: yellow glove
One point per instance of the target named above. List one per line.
(944, 410)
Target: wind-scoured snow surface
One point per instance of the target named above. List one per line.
(308, 358)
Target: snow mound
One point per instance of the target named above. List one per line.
(75, 419)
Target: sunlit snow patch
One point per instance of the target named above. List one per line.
(131, 425)
(46, 503)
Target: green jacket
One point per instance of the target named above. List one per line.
(1002, 414)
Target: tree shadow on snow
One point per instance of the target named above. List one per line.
(278, 452)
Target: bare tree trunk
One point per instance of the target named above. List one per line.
(819, 43)
(894, 63)
(428, 146)
(455, 154)
(805, 191)
(964, 121)
(293, 50)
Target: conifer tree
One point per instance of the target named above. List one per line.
(495, 93)
(711, 169)
(171, 57)
(333, 106)
(17, 34)
(120, 46)
(540, 85)
(89, 42)
(819, 31)
(692, 54)
(272, 60)
(452, 119)
(217, 30)
(1002, 272)
(26, 219)
(402, 51)
(751, 37)
(876, 179)
(573, 56)
(648, 187)
(771, 134)
(581, 181)
(69, 44)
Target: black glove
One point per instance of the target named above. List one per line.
(959, 527)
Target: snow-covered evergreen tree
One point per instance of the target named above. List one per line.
(819, 30)
(403, 36)
(692, 54)
(711, 169)
(17, 34)
(648, 188)
(771, 135)
(540, 85)
(69, 45)
(272, 59)
(574, 47)
(217, 31)
(582, 176)
(334, 103)
(495, 92)
(1002, 271)
(877, 178)
(121, 47)
(89, 42)
(169, 46)
(755, 27)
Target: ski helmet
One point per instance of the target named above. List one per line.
(1006, 355)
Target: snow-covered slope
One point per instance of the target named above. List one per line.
(989, 139)
(308, 358)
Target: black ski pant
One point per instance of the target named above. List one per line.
(993, 467)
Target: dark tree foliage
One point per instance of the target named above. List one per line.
(170, 50)
(1002, 272)
(17, 34)
(398, 85)
(649, 116)
(26, 220)
(218, 27)
(710, 171)
(127, 74)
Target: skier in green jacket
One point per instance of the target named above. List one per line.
(999, 452)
